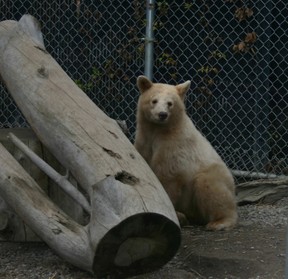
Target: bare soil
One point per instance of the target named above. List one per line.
(254, 249)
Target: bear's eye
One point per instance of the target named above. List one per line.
(169, 104)
(154, 101)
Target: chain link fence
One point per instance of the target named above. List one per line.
(99, 44)
(235, 53)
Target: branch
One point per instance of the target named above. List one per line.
(257, 175)
(54, 175)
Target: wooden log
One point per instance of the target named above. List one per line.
(133, 227)
(130, 247)
(136, 243)
(28, 137)
(61, 180)
(15, 229)
(31, 203)
(262, 190)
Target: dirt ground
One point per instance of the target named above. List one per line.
(254, 249)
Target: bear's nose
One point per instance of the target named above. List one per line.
(163, 115)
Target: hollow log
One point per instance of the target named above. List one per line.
(133, 227)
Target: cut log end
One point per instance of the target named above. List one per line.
(141, 243)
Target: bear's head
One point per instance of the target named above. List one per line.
(161, 103)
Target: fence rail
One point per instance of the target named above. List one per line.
(235, 53)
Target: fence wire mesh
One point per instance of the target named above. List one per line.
(235, 53)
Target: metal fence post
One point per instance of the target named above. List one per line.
(149, 39)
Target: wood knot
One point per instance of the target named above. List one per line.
(127, 178)
(42, 72)
(132, 155)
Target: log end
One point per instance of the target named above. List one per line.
(141, 243)
(31, 26)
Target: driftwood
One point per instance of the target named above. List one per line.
(255, 175)
(262, 190)
(16, 229)
(61, 180)
(133, 226)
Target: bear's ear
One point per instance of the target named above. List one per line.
(183, 88)
(143, 83)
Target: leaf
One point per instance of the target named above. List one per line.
(242, 46)
(243, 13)
(251, 38)
(249, 12)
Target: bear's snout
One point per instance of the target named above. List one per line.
(163, 115)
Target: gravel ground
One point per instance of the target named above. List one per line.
(255, 249)
(265, 214)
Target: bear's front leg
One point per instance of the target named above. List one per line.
(215, 199)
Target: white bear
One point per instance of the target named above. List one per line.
(196, 179)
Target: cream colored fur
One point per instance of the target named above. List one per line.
(196, 179)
